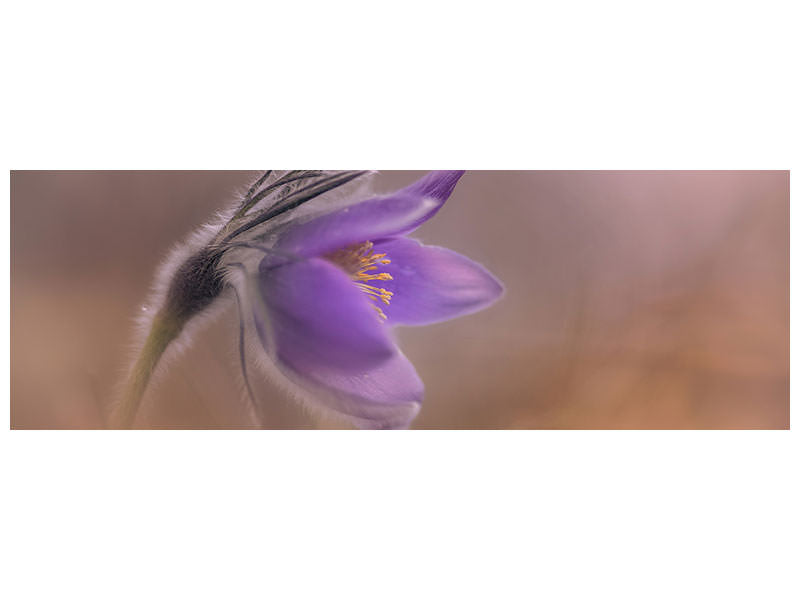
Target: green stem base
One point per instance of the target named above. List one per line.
(162, 332)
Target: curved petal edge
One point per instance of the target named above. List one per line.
(432, 284)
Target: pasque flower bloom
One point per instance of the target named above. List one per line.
(319, 292)
(325, 314)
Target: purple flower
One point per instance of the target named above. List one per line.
(319, 289)
(327, 294)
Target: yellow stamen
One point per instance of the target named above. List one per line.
(359, 261)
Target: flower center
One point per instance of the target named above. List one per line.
(361, 262)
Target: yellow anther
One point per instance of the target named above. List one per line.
(360, 262)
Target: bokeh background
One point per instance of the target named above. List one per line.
(634, 300)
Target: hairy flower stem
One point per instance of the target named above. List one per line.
(163, 331)
(193, 287)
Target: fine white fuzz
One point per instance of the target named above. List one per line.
(143, 320)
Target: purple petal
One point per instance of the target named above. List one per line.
(385, 397)
(389, 216)
(432, 284)
(436, 184)
(319, 319)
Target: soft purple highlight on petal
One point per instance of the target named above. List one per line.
(385, 397)
(389, 216)
(436, 184)
(433, 284)
(321, 320)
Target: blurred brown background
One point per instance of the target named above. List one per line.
(634, 300)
